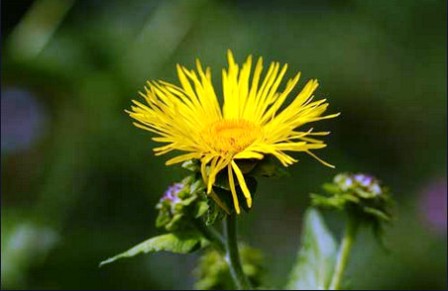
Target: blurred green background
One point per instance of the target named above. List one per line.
(79, 182)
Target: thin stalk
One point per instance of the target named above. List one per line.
(232, 254)
(344, 251)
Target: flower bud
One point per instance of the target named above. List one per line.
(360, 195)
(180, 203)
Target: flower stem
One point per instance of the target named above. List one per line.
(211, 234)
(232, 254)
(351, 228)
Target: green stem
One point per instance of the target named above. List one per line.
(343, 254)
(211, 234)
(232, 254)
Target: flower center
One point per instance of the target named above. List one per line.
(231, 136)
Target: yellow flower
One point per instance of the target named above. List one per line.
(249, 125)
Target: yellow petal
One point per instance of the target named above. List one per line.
(240, 177)
(236, 204)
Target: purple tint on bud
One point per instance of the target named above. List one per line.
(348, 183)
(433, 206)
(375, 189)
(171, 193)
(364, 180)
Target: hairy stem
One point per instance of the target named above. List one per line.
(232, 254)
(343, 254)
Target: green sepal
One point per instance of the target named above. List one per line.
(176, 223)
(247, 165)
(269, 166)
(377, 213)
(197, 186)
(332, 202)
(192, 165)
(163, 218)
(214, 213)
(187, 201)
(201, 209)
(364, 194)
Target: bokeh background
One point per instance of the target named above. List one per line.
(79, 182)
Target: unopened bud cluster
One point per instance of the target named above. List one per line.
(360, 195)
(180, 202)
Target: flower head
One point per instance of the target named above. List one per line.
(250, 124)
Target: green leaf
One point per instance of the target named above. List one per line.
(316, 257)
(201, 209)
(179, 243)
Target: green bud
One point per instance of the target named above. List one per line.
(180, 203)
(361, 196)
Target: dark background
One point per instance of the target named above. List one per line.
(79, 182)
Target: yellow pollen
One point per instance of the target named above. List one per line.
(231, 136)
